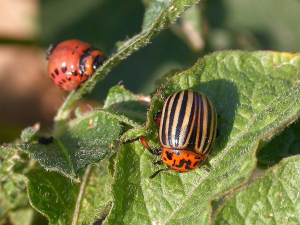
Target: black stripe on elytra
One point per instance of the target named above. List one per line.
(190, 120)
(207, 142)
(192, 140)
(171, 120)
(163, 133)
(181, 118)
(201, 123)
(169, 155)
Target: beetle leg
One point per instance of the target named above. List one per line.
(145, 143)
(160, 162)
(157, 151)
(158, 171)
(156, 117)
(163, 95)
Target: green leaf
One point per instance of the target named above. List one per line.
(122, 101)
(3, 212)
(255, 94)
(158, 16)
(286, 144)
(26, 216)
(30, 133)
(87, 140)
(78, 112)
(14, 162)
(271, 199)
(65, 202)
(13, 198)
(111, 164)
(14, 202)
(13, 193)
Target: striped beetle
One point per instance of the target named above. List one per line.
(187, 131)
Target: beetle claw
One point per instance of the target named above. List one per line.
(160, 162)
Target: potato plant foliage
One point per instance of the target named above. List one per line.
(85, 175)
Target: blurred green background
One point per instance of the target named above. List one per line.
(29, 26)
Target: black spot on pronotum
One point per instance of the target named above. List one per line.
(174, 161)
(45, 141)
(196, 163)
(186, 162)
(74, 72)
(56, 71)
(64, 69)
(68, 78)
(169, 155)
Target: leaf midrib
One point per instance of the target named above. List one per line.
(80, 194)
(65, 153)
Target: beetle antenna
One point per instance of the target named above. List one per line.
(158, 171)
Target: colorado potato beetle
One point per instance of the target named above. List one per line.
(187, 131)
(72, 62)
